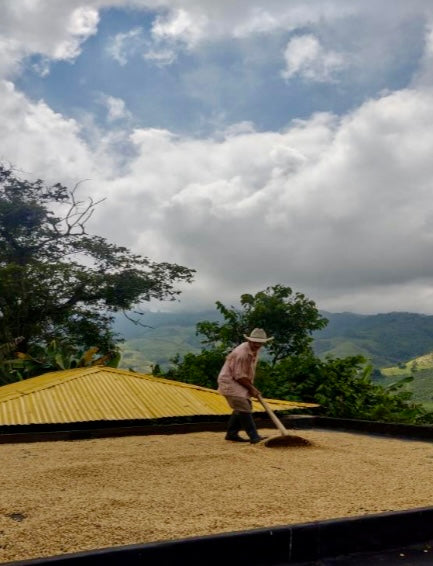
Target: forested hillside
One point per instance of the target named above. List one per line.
(385, 339)
(420, 369)
(157, 337)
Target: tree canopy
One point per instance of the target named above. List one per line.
(287, 316)
(289, 369)
(57, 282)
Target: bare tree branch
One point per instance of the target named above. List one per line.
(136, 321)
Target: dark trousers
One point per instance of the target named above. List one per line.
(240, 420)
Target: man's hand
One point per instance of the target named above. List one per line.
(253, 391)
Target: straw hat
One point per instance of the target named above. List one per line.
(258, 335)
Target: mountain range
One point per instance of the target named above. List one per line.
(386, 339)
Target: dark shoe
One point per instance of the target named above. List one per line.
(249, 426)
(234, 425)
(257, 439)
(235, 438)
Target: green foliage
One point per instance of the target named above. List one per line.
(384, 339)
(420, 373)
(156, 370)
(54, 357)
(411, 366)
(342, 386)
(7, 360)
(289, 317)
(162, 344)
(59, 283)
(346, 334)
(199, 369)
(420, 384)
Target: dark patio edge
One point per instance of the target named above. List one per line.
(282, 545)
(415, 432)
(178, 425)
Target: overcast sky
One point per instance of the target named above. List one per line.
(258, 142)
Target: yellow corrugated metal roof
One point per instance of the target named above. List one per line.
(104, 393)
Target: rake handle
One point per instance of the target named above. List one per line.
(273, 416)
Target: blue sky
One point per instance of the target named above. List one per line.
(225, 81)
(259, 143)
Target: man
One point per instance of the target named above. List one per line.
(236, 383)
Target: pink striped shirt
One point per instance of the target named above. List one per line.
(241, 362)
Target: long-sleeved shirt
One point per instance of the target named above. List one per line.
(241, 362)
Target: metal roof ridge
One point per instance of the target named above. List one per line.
(150, 377)
(58, 378)
(70, 374)
(55, 380)
(174, 382)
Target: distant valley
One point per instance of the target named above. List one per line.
(384, 339)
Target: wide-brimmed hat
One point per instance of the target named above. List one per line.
(258, 335)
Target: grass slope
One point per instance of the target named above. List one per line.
(421, 369)
(158, 337)
(158, 346)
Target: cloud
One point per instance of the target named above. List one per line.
(306, 57)
(116, 108)
(188, 26)
(160, 57)
(26, 30)
(172, 34)
(180, 25)
(336, 206)
(39, 141)
(125, 45)
(424, 76)
(11, 55)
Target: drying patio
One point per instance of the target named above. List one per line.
(60, 497)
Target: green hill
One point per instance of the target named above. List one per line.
(158, 346)
(384, 339)
(421, 369)
(158, 338)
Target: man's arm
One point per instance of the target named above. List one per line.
(253, 391)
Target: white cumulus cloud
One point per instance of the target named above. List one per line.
(57, 30)
(40, 141)
(306, 57)
(116, 108)
(180, 25)
(25, 29)
(123, 45)
(339, 207)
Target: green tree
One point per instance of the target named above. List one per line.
(55, 356)
(199, 369)
(8, 371)
(57, 282)
(289, 369)
(342, 386)
(287, 316)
